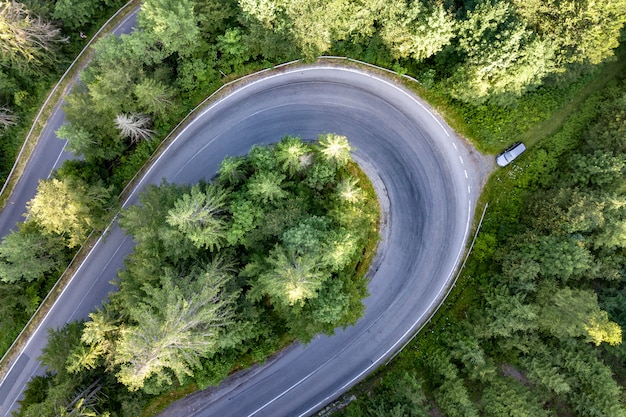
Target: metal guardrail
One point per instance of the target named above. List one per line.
(367, 64)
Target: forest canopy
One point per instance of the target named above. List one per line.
(502, 65)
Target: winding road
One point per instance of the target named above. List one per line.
(427, 179)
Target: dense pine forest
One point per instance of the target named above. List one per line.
(534, 325)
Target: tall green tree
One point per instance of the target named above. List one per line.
(173, 24)
(17, 303)
(232, 170)
(292, 279)
(282, 28)
(567, 312)
(466, 348)
(215, 16)
(246, 215)
(503, 59)
(335, 148)
(416, 29)
(313, 23)
(154, 97)
(582, 31)
(339, 249)
(508, 313)
(266, 186)
(598, 169)
(233, 50)
(541, 370)
(69, 207)
(348, 191)
(26, 40)
(136, 52)
(292, 155)
(28, 254)
(308, 236)
(200, 216)
(563, 258)
(98, 337)
(505, 397)
(147, 223)
(60, 342)
(76, 14)
(111, 90)
(176, 324)
(94, 138)
(450, 392)
(587, 383)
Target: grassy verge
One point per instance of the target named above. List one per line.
(551, 125)
(161, 402)
(369, 252)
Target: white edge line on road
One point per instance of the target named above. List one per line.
(103, 268)
(91, 251)
(57, 160)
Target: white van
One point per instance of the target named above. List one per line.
(512, 152)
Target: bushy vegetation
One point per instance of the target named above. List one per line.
(498, 67)
(268, 252)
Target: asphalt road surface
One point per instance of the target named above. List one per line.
(428, 182)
